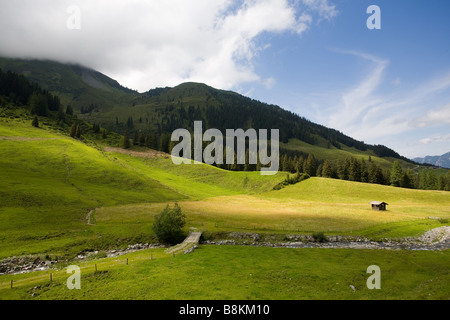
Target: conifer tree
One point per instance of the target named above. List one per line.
(354, 171)
(69, 110)
(396, 176)
(73, 130)
(327, 170)
(407, 181)
(78, 132)
(310, 165)
(126, 141)
(35, 122)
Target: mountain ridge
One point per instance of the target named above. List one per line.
(97, 98)
(440, 161)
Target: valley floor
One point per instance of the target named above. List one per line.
(61, 198)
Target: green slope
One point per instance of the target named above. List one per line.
(323, 151)
(49, 182)
(75, 85)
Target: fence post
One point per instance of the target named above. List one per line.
(12, 283)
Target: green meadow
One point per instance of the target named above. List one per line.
(60, 196)
(244, 273)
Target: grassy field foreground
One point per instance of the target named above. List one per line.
(239, 272)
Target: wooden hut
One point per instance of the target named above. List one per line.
(378, 205)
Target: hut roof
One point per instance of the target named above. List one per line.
(377, 203)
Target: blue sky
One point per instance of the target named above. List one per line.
(316, 58)
(388, 86)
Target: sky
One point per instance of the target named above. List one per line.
(317, 58)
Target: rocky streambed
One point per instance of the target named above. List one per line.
(30, 263)
(435, 239)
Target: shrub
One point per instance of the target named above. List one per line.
(168, 225)
(319, 237)
(298, 177)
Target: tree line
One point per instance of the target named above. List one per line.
(18, 90)
(351, 168)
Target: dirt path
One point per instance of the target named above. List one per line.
(188, 245)
(88, 217)
(18, 138)
(142, 154)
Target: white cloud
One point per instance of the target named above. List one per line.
(409, 120)
(437, 116)
(269, 83)
(359, 104)
(325, 9)
(435, 138)
(145, 44)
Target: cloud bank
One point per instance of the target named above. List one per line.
(145, 44)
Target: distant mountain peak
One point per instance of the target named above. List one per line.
(440, 161)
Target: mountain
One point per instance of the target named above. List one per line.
(98, 99)
(74, 84)
(440, 161)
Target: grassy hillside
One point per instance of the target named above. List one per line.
(49, 182)
(324, 151)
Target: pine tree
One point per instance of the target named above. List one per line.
(441, 183)
(69, 110)
(78, 132)
(431, 182)
(375, 174)
(130, 123)
(142, 139)
(126, 141)
(342, 170)
(38, 103)
(284, 163)
(327, 170)
(96, 128)
(354, 171)
(310, 165)
(61, 114)
(447, 181)
(364, 171)
(407, 181)
(299, 166)
(35, 122)
(136, 138)
(73, 130)
(396, 176)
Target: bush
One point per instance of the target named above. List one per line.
(168, 225)
(298, 177)
(319, 237)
